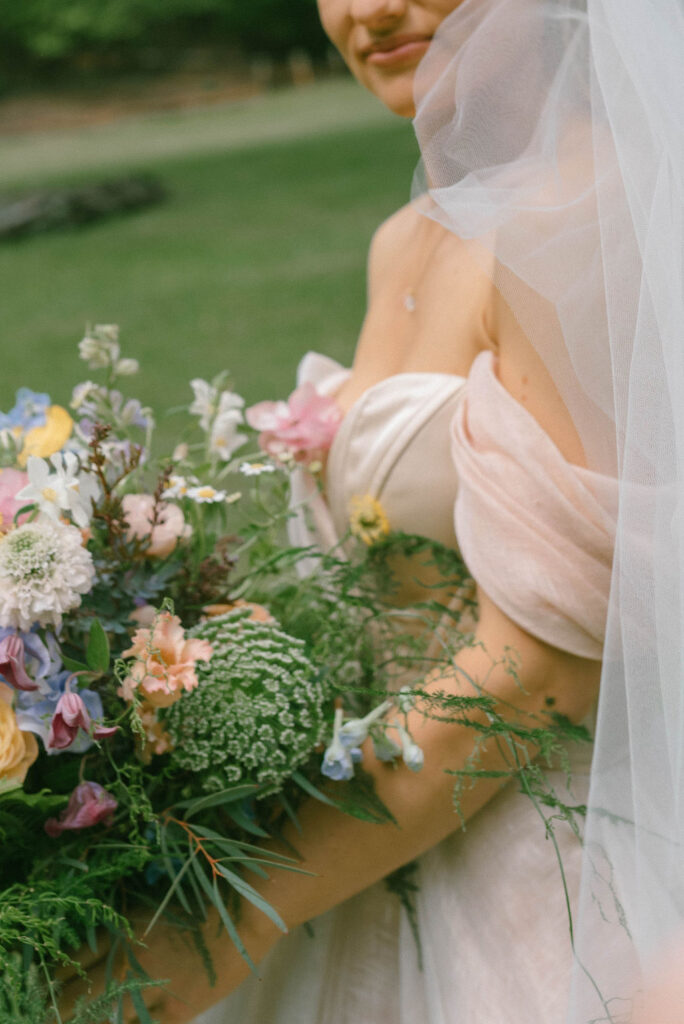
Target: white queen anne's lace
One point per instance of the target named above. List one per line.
(44, 571)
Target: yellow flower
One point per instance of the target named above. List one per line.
(367, 519)
(50, 438)
(18, 750)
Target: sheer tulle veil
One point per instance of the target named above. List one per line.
(552, 137)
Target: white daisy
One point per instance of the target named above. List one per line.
(256, 468)
(176, 487)
(206, 494)
(44, 571)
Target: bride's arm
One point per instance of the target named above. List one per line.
(346, 855)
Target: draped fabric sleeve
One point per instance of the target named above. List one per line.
(536, 532)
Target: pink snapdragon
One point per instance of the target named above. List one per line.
(165, 662)
(162, 531)
(71, 715)
(301, 428)
(89, 804)
(12, 663)
(11, 482)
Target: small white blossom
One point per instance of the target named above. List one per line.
(411, 753)
(232, 498)
(177, 487)
(218, 412)
(256, 468)
(204, 405)
(126, 367)
(205, 494)
(85, 392)
(180, 452)
(44, 571)
(225, 436)
(100, 348)
(67, 489)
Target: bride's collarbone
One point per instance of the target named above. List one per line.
(420, 330)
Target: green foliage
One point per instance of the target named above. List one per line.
(22, 991)
(49, 32)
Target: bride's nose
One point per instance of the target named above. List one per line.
(378, 14)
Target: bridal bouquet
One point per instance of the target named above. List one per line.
(170, 686)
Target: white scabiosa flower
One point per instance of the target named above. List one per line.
(44, 571)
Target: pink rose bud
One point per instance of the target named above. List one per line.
(160, 524)
(303, 427)
(89, 804)
(12, 664)
(71, 715)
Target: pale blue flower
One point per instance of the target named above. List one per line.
(411, 753)
(337, 763)
(29, 410)
(384, 748)
(337, 759)
(355, 732)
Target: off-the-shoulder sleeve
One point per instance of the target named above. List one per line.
(536, 532)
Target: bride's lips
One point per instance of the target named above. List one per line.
(400, 49)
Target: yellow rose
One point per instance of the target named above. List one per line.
(50, 438)
(18, 750)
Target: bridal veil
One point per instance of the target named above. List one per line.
(552, 138)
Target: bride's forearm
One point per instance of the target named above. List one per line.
(346, 855)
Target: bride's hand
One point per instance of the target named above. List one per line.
(170, 953)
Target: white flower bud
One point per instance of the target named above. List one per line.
(126, 367)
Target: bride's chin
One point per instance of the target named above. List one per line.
(396, 93)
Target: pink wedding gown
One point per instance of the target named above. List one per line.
(537, 534)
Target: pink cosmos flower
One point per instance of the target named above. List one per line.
(71, 715)
(12, 663)
(301, 428)
(89, 804)
(11, 482)
(165, 662)
(163, 536)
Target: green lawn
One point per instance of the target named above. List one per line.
(258, 255)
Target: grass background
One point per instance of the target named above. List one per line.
(257, 256)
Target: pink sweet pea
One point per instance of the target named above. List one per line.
(301, 428)
(89, 804)
(71, 715)
(11, 482)
(12, 665)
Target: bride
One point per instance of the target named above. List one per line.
(515, 364)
